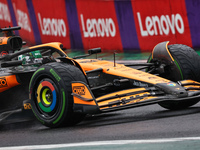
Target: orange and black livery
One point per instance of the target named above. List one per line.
(61, 90)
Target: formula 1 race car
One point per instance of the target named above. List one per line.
(62, 90)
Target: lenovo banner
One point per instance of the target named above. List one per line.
(158, 21)
(23, 20)
(98, 23)
(131, 25)
(52, 21)
(5, 17)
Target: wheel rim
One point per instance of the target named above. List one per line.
(46, 96)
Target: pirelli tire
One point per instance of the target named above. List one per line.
(188, 63)
(50, 92)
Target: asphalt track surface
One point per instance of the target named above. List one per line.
(149, 123)
(142, 128)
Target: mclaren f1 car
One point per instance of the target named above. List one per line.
(61, 90)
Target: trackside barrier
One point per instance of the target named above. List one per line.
(123, 25)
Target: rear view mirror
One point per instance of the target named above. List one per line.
(94, 51)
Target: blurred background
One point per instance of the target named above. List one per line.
(128, 27)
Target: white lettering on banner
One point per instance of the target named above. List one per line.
(165, 24)
(22, 19)
(4, 12)
(54, 27)
(98, 27)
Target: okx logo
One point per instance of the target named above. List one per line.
(3, 82)
(80, 90)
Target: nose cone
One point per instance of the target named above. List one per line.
(173, 88)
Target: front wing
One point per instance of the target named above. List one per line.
(85, 102)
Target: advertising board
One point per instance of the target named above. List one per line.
(157, 21)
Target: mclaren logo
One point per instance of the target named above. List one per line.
(80, 90)
(3, 82)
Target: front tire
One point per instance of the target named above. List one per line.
(186, 66)
(50, 91)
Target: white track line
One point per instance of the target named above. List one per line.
(99, 143)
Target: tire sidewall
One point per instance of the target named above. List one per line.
(182, 71)
(47, 71)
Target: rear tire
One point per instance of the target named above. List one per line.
(50, 91)
(187, 64)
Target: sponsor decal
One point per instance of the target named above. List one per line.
(136, 83)
(55, 75)
(154, 26)
(163, 25)
(101, 27)
(52, 26)
(4, 13)
(80, 90)
(3, 82)
(171, 84)
(27, 106)
(21, 16)
(22, 19)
